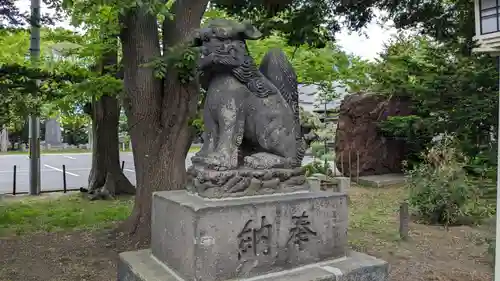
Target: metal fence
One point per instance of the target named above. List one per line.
(352, 158)
(65, 188)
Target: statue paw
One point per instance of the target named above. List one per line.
(220, 162)
(264, 160)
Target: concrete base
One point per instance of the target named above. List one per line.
(142, 266)
(382, 180)
(342, 184)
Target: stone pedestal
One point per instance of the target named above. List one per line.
(293, 236)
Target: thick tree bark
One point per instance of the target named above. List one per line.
(158, 111)
(106, 178)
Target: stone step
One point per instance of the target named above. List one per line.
(142, 266)
(385, 180)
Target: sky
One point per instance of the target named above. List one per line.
(366, 45)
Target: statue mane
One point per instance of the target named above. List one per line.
(249, 75)
(247, 72)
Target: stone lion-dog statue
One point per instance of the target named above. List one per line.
(253, 142)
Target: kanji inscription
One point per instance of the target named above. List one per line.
(301, 230)
(254, 241)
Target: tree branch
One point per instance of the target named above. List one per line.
(181, 99)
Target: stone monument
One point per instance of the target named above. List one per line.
(248, 212)
(4, 139)
(53, 132)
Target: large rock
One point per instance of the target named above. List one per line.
(358, 134)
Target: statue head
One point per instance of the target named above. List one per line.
(222, 44)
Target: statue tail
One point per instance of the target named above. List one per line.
(276, 67)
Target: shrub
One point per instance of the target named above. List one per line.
(318, 167)
(328, 156)
(318, 149)
(439, 188)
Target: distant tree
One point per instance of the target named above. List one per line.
(74, 128)
(451, 92)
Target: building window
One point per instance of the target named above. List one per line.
(489, 16)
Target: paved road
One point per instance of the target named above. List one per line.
(77, 170)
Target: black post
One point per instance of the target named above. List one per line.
(64, 178)
(14, 181)
(123, 165)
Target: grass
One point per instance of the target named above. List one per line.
(68, 212)
(431, 252)
(373, 216)
(72, 150)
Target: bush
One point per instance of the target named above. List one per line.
(439, 188)
(318, 167)
(328, 156)
(318, 149)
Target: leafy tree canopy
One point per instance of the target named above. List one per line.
(451, 92)
(63, 72)
(450, 21)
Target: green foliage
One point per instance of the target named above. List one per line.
(75, 128)
(400, 126)
(440, 190)
(309, 22)
(197, 124)
(122, 123)
(450, 92)
(410, 129)
(318, 167)
(66, 80)
(318, 149)
(20, 94)
(451, 22)
(317, 66)
(309, 119)
(180, 58)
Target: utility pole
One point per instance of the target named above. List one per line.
(34, 120)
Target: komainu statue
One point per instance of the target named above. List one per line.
(253, 142)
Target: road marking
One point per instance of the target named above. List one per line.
(12, 171)
(79, 169)
(69, 157)
(54, 168)
(129, 170)
(41, 170)
(63, 154)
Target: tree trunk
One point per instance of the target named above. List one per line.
(158, 110)
(106, 178)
